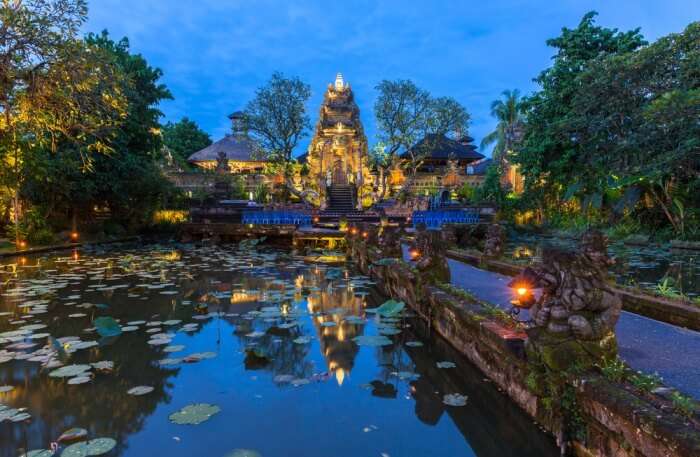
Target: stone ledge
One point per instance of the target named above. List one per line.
(618, 422)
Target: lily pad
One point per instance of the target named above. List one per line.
(302, 340)
(454, 399)
(69, 371)
(372, 340)
(243, 453)
(194, 414)
(391, 308)
(140, 390)
(98, 446)
(79, 380)
(414, 344)
(39, 453)
(106, 326)
(73, 434)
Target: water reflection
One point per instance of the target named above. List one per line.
(311, 390)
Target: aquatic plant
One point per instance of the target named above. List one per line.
(667, 289)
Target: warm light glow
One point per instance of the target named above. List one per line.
(340, 376)
(522, 291)
(74, 235)
(414, 254)
(164, 216)
(22, 244)
(365, 235)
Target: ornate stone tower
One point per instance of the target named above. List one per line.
(337, 154)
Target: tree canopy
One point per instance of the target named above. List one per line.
(615, 122)
(184, 138)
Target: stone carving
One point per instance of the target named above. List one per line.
(222, 185)
(494, 241)
(222, 167)
(431, 262)
(390, 242)
(577, 299)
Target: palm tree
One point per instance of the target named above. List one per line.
(510, 114)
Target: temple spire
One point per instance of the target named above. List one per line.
(339, 83)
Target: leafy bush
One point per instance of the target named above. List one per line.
(42, 236)
(646, 382)
(614, 369)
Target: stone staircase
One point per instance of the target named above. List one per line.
(340, 199)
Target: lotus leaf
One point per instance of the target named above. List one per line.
(194, 414)
(390, 308)
(73, 434)
(372, 340)
(98, 446)
(140, 390)
(69, 371)
(243, 453)
(39, 453)
(455, 399)
(106, 326)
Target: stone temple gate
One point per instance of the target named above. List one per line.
(337, 155)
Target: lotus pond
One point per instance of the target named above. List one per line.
(228, 351)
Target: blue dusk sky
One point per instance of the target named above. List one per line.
(215, 53)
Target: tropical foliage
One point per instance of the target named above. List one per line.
(613, 132)
(509, 111)
(184, 138)
(80, 127)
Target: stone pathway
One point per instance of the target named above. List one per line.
(647, 345)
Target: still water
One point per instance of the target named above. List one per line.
(285, 359)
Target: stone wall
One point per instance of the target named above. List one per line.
(616, 421)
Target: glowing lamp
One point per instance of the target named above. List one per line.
(365, 235)
(316, 219)
(523, 286)
(22, 244)
(353, 231)
(414, 254)
(74, 236)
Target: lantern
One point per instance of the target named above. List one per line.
(523, 286)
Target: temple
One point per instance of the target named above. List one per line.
(337, 155)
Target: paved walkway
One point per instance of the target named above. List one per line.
(647, 345)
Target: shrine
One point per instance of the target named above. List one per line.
(337, 155)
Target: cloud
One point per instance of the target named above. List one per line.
(215, 53)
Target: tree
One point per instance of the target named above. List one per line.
(184, 138)
(636, 116)
(406, 114)
(548, 155)
(510, 115)
(54, 88)
(401, 112)
(277, 119)
(127, 179)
